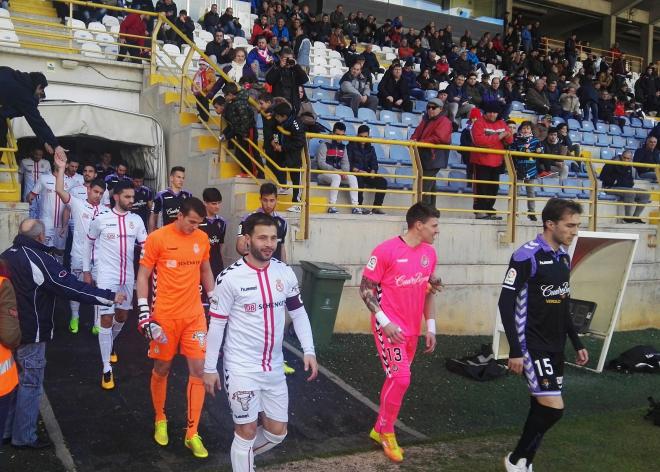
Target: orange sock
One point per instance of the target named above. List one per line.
(196, 395)
(158, 394)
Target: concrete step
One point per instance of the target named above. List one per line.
(17, 16)
(38, 10)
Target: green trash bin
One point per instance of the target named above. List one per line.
(321, 291)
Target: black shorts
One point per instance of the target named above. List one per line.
(544, 372)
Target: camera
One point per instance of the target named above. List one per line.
(290, 62)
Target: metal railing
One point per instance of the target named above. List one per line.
(636, 63)
(10, 187)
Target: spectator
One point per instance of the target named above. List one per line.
(351, 55)
(405, 51)
(618, 177)
(336, 40)
(526, 168)
(202, 84)
(185, 25)
(425, 81)
(168, 8)
(218, 50)
(570, 52)
(410, 78)
(355, 90)
(362, 158)
(324, 29)
(472, 90)
(19, 96)
(306, 115)
(285, 77)
(462, 66)
(648, 154)
(435, 128)
(393, 92)
(290, 144)
(351, 27)
(240, 126)
(606, 107)
(589, 100)
(491, 133)
(266, 104)
(274, 48)
(235, 70)
(430, 61)
(230, 24)
(302, 48)
(495, 94)
(543, 124)
(553, 146)
(647, 88)
(280, 31)
(38, 279)
(458, 105)
(371, 66)
(474, 61)
(211, 19)
(133, 24)
(441, 72)
(466, 38)
(565, 140)
(262, 28)
(554, 95)
(337, 17)
(536, 99)
(332, 156)
(570, 104)
(260, 59)
(526, 36)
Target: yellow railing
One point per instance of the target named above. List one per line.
(636, 62)
(10, 187)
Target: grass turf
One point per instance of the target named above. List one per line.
(443, 405)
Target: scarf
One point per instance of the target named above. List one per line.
(236, 71)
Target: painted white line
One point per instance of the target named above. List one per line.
(55, 433)
(355, 393)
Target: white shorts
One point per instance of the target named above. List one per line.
(53, 238)
(251, 392)
(126, 289)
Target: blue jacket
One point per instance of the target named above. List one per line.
(362, 157)
(38, 280)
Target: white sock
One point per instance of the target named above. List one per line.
(105, 343)
(116, 329)
(75, 309)
(265, 441)
(242, 458)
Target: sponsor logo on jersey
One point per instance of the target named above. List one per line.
(417, 279)
(545, 383)
(560, 381)
(552, 291)
(248, 289)
(200, 336)
(279, 286)
(402, 261)
(510, 277)
(214, 239)
(250, 307)
(196, 248)
(131, 225)
(531, 245)
(373, 261)
(62, 274)
(545, 262)
(172, 211)
(424, 261)
(171, 263)
(243, 397)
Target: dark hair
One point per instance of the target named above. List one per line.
(283, 109)
(561, 125)
(219, 100)
(230, 88)
(267, 189)
(363, 129)
(286, 51)
(122, 163)
(88, 164)
(121, 186)
(339, 126)
(138, 173)
(72, 158)
(259, 38)
(192, 204)
(265, 97)
(211, 194)
(183, 12)
(177, 169)
(552, 129)
(511, 122)
(526, 123)
(421, 211)
(557, 208)
(257, 219)
(98, 183)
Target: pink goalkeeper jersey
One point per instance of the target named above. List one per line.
(402, 273)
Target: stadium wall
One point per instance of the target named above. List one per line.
(11, 215)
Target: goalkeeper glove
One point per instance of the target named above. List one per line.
(147, 326)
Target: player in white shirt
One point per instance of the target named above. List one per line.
(249, 299)
(114, 233)
(29, 172)
(51, 209)
(82, 214)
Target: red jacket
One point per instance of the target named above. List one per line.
(133, 24)
(436, 131)
(406, 52)
(486, 134)
(442, 68)
(258, 30)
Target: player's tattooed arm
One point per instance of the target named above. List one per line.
(368, 292)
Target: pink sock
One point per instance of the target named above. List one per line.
(391, 398)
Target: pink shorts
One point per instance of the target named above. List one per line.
(395, 357)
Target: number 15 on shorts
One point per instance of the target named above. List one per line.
(544, 367)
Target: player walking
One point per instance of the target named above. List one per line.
(215, 227)
(51, 210)
(168, 202)
(249, 300)
(534, 310)
(180, 253)
(82, 213)
(114, 234)
(398, 287)
(30, 170)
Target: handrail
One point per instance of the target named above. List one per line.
(607, 55)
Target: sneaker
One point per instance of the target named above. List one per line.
(356, 211)
(196, 446)
(283, 191)
(95, 330)
(521, 466)
(375, 435)
(532, 217)
(390, 447)
(366, 211)
(113, 357)
(377, 211)
(294, 209)
(107, 381)
(160, 433)
(493, 217)
(73, 325)
(333, 210)
(480, 216)
(288, 370)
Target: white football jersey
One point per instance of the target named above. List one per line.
(30, 171)
(253, 301)
(79, 192)
(50, 205)
(82, 214)
(114, 236)
(74, 180)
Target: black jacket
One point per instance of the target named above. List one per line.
(38, 280)
(292, 144)
(389, 87)
(285, 82)
(17, 99)
(362, 157)
(617, 176)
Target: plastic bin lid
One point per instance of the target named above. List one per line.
(325, 270)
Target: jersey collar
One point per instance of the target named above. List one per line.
(546, 247)
(255, 268)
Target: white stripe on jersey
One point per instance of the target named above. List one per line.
(82, 214)
(253, 301)
(115, 235)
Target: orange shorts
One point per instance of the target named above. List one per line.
(186, 336)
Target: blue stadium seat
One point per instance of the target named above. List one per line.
(320, 80)
(614, 130)
(380, 153)
(549, 188)
(588, 138)
(333, 88)
(632, 143)
(315, 94)
(400, 154)
(618, 141)
(573, 124)
(586, 189)
(601, 127)
(342, 111)
(393, 132)
(463, 124)
(321, 109)
(628, 131)
(420, 106)
(587, 126)
(456, 139)
(368, 115)
(606, 153)
(410, 132)
(648, 124)
(326, 123)
(430, 94)
(517, 106)
(635, 122)
(391, 181)
(575, 136)
(351, 128)
(603, 140)
(403, 182)
(313, 146)
(410, 119)
(453, 187)
(570, 193)
(504, 188)
(389, 117)
(606, 197)
(376, 131)
(641, 133)
(456, 161)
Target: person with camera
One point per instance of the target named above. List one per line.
(229, 24)
(185, 25)
(285, 78)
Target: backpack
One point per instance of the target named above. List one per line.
(653, 414)
(481, 366)
(637, 359)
